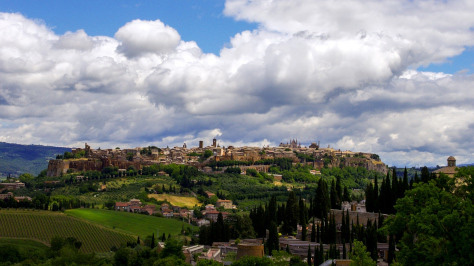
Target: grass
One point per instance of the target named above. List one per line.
(24, 245)
(175, 200)
(44, 225)
(132, 223)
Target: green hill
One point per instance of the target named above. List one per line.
(43, 225)
(132, 223)
(16, 159)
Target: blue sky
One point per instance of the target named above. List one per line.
(339, 72)
(195, 20)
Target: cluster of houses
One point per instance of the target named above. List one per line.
(10, 187)
(135, 205)
(10, 195)
(210, 212)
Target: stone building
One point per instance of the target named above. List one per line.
(449, 170)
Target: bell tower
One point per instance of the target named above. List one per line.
(451, 161)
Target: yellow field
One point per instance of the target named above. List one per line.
(180, 201)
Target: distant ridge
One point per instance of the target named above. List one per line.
(16, 159)
(466, 164)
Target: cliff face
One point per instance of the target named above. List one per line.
(58, 167)
(368, 164)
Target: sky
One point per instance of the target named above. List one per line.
(389, 77)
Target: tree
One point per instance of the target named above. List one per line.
(321, 203)
(346, 195)
(436, 225)
(272, 241)
(291, 215)
(425, 174)
(360, 256)
(308, 257)
(172, 248)
(391, 249)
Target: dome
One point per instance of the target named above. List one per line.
(451, 158)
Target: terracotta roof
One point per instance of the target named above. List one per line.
(446, 170)
(121, 204)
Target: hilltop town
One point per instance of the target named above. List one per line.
(206, 158)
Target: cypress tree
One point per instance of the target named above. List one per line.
(318, 234)
(369, 201)
(321, 200)
(343, 227)
(152, 245)
(333, 195)
(391, 249)
(272, 242)
(303, 232)
(333, 229)
(425, 174)
(316, 256)
(291, 214)
(272, 210)
(416, 179)
(338, 193)
(163, 238)
(344, 252)
(348, 229)
(309, 256)
(375, 195)
(313, 232)
(346, 196)
(302, 219)
(405, 182)
(321, 253)
(395, 189)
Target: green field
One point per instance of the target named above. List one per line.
(24, 245)
(132, 223)
(43, 225)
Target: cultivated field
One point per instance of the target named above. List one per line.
(43, 225)
(132, 223)
(180, 201)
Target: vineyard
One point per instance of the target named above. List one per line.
(42, 226)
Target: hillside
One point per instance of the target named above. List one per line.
(16, 159)
(43, 225)
(132, 223)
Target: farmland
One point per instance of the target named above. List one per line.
(175, 200)
(42, 226)
(132, 223)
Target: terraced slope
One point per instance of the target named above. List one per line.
(43, 225)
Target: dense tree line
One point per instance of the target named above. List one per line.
(234, 227)
(392, 188)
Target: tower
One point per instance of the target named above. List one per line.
(201, 144)
(451, 161)
(214, 142)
